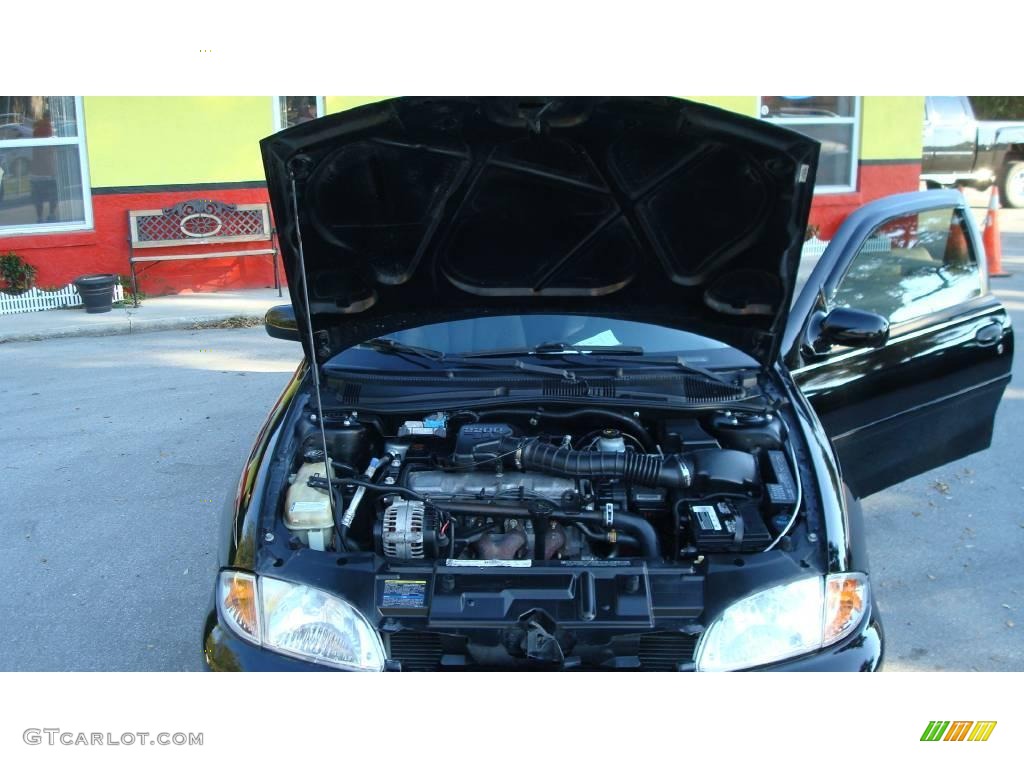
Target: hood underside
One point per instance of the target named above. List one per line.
(420, 210)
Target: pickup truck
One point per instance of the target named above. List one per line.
(962, 151)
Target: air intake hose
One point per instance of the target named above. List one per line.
(709, 470)
(649, 471)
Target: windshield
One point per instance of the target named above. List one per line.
(503, 332)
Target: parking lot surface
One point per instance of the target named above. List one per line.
(119, 452)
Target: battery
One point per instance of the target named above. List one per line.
(724, 526)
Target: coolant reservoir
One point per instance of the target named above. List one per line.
(307, 511)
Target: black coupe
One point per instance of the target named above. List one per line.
(569, 401)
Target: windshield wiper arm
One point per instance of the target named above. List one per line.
(558, 348)
(679, 363)
(390, 345)
(464, 361)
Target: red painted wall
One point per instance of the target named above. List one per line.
(875, 180)
(60, 258)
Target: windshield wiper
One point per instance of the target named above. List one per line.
(558, 348)
(590, 354)
(398, 348)
(406, 351)
(392, 347)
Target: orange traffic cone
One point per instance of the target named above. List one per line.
(990, 238)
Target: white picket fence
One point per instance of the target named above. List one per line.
(35, 299)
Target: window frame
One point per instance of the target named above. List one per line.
(83, 165)
(900, 327)
(854, 120)
(275, 103)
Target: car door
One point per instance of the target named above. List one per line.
(949, 135)
(897, 342)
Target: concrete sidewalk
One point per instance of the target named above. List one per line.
(186, 310)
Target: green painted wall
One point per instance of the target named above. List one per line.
(144, 140)
(155, 140)
(745, 105)
(891, 127)
(334, 104)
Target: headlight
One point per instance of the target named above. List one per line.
(784, 621)
(299, 621)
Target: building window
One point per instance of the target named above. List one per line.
(832, 120)
(292, 110)
(44, 176)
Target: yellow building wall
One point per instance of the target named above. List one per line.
(161, 140)
(744, 105)
(892, 127)
(334, 104)
(154, 140)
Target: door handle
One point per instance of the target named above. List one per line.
(989, 334)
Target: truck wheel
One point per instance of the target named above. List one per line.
(1011, 187)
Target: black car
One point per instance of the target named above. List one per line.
(563, 407)
(961, 150)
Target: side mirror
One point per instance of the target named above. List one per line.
(279, 323)
(849, 328)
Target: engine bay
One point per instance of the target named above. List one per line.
(533, 485)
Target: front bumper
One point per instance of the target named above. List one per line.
(224, 651)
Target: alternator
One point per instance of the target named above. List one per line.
(408, 531)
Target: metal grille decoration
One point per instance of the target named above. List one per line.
(197, 219)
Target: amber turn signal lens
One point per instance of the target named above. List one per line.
(238, 603)
(845, 600)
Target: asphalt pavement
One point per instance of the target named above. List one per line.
(119, 452)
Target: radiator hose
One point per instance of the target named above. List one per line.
(642, 469)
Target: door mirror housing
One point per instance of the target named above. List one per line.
(279, 323)
(850, 328)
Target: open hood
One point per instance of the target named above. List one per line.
(420, 210)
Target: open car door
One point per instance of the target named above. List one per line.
(897, 342)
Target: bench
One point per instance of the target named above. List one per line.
(199, 223)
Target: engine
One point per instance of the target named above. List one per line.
(463, 487)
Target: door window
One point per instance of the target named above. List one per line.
(911, 266)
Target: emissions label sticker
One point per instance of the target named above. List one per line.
(707, 518)
(404, 593)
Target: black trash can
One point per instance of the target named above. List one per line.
(97, 292)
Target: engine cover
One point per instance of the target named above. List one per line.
(440, 484)
(478, 443)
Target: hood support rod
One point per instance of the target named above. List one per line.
(312, 351)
